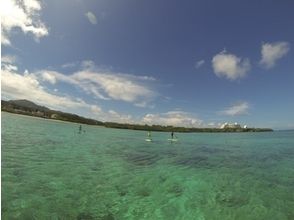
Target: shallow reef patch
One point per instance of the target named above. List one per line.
(193, 161)
(142, 158)
(231, 200)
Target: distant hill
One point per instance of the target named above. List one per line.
(28, 104)
(26, 107)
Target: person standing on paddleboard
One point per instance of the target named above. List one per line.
(149, 134)
(172, 135)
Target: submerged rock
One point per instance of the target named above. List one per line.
(231, 200)
(162, 178)
(18, 172)
(89, 216)
(85, 216)
(109, 216)
(176, 189)
(122, 191)
(194, 161)
(144, 192)
(210, 150)
(142, 158)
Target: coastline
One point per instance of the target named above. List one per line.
(159, 128)
(48, 119)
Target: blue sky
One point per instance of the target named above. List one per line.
(188, 63)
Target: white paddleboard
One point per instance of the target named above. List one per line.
(172, 139)
(148, 139)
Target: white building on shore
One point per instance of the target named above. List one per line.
(230, 125)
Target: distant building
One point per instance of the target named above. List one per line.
(230, 125)
(224, 125)
(245, 126)
(54, 116)
(38, 113)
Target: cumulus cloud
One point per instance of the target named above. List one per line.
(27, 86)
(211, 124)
(46, 76)
(230, 66)
(173, 118)
(116, 86)
(112, 115)
(7, 63)
(272, 52)
(240, 108)
(199, 64)
(91, 17)
(31, 5)
(101, 84)
(106, 85)
(24, 15)
(8, 59)
(31, 86)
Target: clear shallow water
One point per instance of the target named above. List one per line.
(49, 171)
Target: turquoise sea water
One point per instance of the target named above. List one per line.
(49, 171)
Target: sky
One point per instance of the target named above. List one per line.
(183, 63)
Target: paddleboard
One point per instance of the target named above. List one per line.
(172, 139)
(148, 139)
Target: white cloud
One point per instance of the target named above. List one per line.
(7, 63)
(100, 84)
(27, 86)
(23, 14)
(96, 109)
(240, 108)
(115, 86)
(9, 67)
(49, 77)
(114, 116)
(111, 116)
(69, 65)
(211, 124)
(107, 85)
(142, 104)
(272, 52)
(230, 66)
(91, 17)
(199, 63)
(31, 5)
(8, 59)
(118, 87)
(31, 86)
(173, 118)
